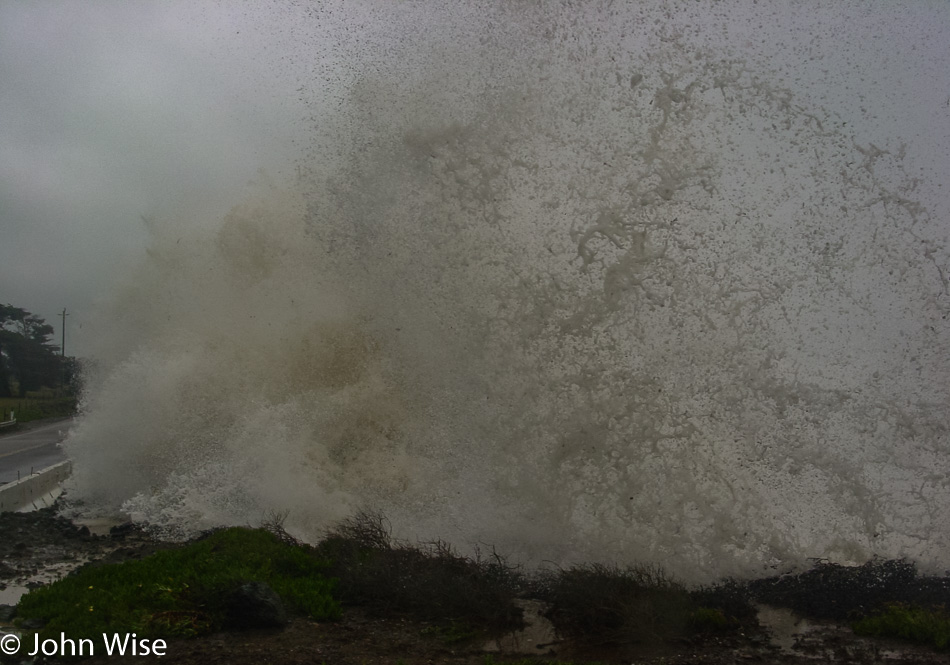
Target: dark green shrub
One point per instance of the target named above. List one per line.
(606, 604)
(430, 582)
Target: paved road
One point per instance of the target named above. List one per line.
(33, 449)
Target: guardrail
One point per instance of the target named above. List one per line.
(7, 423)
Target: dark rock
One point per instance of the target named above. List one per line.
(123, 554)
(256, 605)
(33, 624)
(7, 612)
(72, 531)
(122, 530)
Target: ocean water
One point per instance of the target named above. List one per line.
(605, 281)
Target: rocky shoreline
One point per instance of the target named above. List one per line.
(40, 546)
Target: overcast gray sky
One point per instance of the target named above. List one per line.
(113, 110)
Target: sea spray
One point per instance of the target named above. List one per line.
(580, 284)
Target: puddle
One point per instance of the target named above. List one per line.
(56, 571)
(794, 634)
(100, 526)
(831, 642)
(11, 595)
(784, 626)
(536, 638)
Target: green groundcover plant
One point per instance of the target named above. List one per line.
(909, 622)
(183, 592)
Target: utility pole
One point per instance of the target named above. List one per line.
(63, 347)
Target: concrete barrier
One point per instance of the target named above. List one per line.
(35, 491)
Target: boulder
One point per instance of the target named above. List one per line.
(256, 605)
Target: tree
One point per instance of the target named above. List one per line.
(27, 358)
